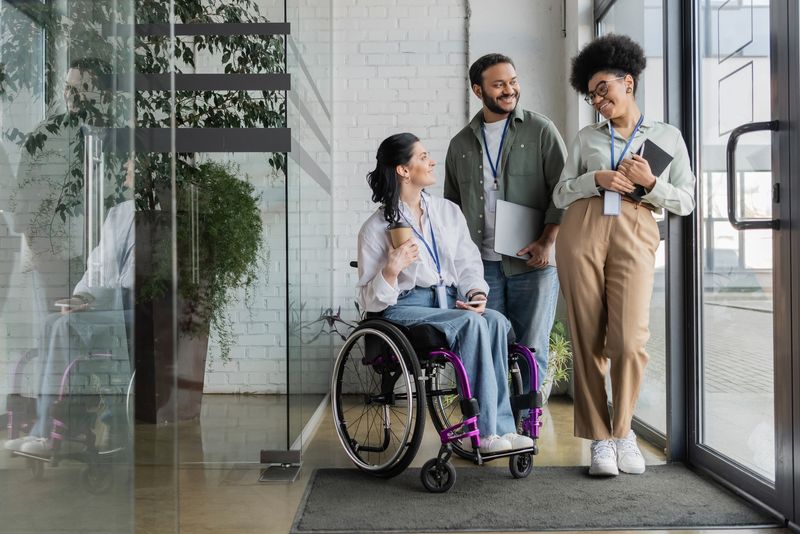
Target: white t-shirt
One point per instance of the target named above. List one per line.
(493, 132)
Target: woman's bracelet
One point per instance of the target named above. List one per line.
(472, 295)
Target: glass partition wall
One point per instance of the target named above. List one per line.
(68, 229)
(310, 211)
(253, 259)
(165, 281)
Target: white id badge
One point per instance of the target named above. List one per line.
(611, 201)
(441, 295)
(491, 199)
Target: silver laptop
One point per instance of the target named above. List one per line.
(516, 227)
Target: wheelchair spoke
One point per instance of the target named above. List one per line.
(355, 371)
(365, 411)
(357, 421)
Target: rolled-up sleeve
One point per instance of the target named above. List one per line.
(373, 292)
(467, 260)
(576, 182)
(675, 192)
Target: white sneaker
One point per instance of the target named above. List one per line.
(604, 458)
(518, 441)
(37, 447)
(17, 443)
(629, 457)
(494, 443)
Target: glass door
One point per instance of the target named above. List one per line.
(66, 266)
(740, 418)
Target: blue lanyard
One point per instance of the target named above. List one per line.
(627, 145)
(434, 252)
(499, 150)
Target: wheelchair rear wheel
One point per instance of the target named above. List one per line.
(378, 399)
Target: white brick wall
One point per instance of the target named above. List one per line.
(400, 65)
(534, 41)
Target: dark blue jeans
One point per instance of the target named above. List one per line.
(529, 301)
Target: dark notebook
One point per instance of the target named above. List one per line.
(658, 160)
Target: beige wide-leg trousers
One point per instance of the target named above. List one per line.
(605, 266)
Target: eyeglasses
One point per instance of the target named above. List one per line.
(600, 90)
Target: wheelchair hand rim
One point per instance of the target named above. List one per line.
(357, 334)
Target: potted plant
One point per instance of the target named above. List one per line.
(559, 364)
(219, 250)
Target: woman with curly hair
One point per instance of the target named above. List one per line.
(608, 241)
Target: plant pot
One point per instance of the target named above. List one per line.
(158, 366)
(183, 402)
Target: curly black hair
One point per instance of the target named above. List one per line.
(612, 53)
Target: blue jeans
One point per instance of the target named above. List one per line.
(529, 301)
(480, 340)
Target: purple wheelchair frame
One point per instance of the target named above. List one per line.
(55, 433)
(468, 428)
(14, 426)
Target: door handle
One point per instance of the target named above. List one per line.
(93, 198)
(733, 141)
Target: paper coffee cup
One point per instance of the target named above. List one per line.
(399, 233)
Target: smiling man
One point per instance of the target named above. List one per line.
(512, 154)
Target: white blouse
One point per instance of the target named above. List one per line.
(459, 258)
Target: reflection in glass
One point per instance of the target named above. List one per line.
(737, 321)
(66, 267)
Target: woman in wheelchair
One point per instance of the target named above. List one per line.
(422, 281)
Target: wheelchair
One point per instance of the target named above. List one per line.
(384, 376)
(94, 428)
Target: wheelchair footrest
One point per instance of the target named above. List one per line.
(470, 408)
(526, 401)
(505, 454)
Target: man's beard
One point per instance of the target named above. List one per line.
(494, 108)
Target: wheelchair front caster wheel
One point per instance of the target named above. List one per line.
(97, 478)
(438, 476)
(37, 468)
(520, 465)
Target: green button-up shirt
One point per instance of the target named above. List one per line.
(591, 151)
(530, 165)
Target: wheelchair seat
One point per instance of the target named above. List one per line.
(425, 338)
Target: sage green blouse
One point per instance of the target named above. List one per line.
(591, 151)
